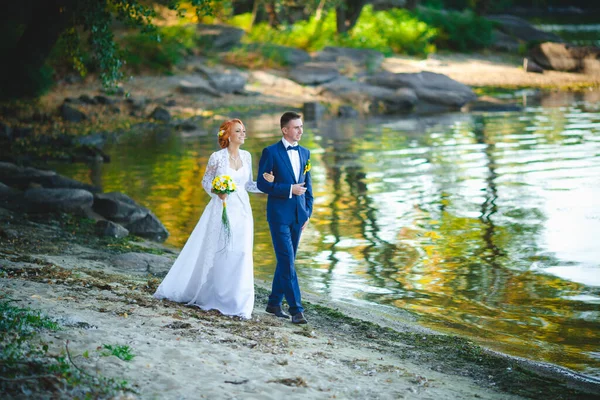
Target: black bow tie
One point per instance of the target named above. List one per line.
(292, 148)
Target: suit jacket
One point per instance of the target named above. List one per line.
(280, 207)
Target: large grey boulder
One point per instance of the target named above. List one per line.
(284, 54)
(197, 85)
(9, 197)
(503, 42)
(531, 66)
(22, 177)
(521, 29)
(66, 200)
(431, 89)
(161, 114)
(138, 220)
(111, 229)
(118, 207)
(273, 81)
(219, 37)
(368, 58)
(563, 57)
(371, 98)
(223, 80)
(313, 74)
(71, 114)
(6, 192)
(149, 227)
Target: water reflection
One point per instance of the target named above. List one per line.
(480, 224)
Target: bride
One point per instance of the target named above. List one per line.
(211, 272)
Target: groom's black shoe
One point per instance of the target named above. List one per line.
(276, 310)
(299, 319)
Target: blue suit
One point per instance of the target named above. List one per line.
(285, 216)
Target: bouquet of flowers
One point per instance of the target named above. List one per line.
(223, 184)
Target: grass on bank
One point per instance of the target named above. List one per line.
(120, 351)
(29, 369)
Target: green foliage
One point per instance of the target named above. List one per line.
(392, 31)
(97, 19)
(242, 21)
(25, 320)
(17, 326)
(160, 51)
(122, 352)
(87, 41)
(27, 366)
(256, 56)
(68, 54)
(397, 30)
(458, 30)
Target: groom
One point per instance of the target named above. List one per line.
(289, 207)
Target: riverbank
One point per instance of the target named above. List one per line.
(99, 291)
(271, 88)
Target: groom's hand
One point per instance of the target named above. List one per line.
(305, 224)
(298, 189)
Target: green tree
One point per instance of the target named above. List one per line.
(29, 30)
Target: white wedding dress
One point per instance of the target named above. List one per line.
(208, 272)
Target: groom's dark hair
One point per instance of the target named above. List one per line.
(288, 116)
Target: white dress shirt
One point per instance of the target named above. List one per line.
(294, 156)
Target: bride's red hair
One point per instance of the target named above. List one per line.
(226, 129)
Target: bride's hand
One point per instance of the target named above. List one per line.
(221, 196)
(269, 177)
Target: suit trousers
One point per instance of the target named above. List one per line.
(285, 281)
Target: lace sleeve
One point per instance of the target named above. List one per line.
(250, 183)
(210, 173)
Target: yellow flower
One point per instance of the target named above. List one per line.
(221, 132)
(223, 184)
(307, 166)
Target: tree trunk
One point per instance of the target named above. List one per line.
(272, 13)
(242, 6)
(319, 13)
(25, 62)
(254, 19)
(258, 13)
(347, 14)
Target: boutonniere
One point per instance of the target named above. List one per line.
(307, 166)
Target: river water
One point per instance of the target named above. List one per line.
(480, 224)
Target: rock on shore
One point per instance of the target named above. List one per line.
(39, 191)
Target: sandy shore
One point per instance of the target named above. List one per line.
(493, 69)
(100, 292)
